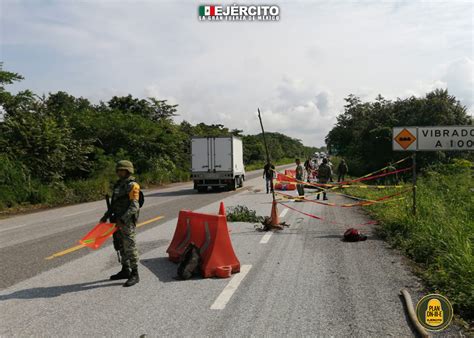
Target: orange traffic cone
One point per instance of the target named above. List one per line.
(222, 209)
(274, 215)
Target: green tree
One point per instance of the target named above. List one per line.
(363, 132)
(46, 147)
(7, 78)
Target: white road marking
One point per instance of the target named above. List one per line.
(266, 237)
(14, 227)
(283, 213)
(231, 287)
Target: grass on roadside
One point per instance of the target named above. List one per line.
(441, 237)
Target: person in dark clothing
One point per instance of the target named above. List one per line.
(342, 170)
(268, 174)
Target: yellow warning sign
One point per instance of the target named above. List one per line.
(405, 138)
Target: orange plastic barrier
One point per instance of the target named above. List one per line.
(211, 235)
(98, 235)
(285, 186)
(285, 178)
(224, 271)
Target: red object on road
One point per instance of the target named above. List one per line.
(211, 235)
(354, 235)
(98, 235)
(285, 186)
(222, 209)
(275, 219)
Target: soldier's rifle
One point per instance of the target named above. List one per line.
(115, 237)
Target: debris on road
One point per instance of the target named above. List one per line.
(267, 225)
(354, 235)
(190, 263)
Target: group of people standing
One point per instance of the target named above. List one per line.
(324, 174)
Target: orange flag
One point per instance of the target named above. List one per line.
(98, 235)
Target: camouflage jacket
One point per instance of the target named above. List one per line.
(124, 205)
(342, 168)
(324, 173)
(299, 172)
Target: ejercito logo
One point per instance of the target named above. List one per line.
(434, 312)
(237, 12)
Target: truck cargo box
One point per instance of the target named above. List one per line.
(217, 162)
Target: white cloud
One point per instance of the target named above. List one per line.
(459, 79)
(155, 92)
(457, 76)
(301, 109)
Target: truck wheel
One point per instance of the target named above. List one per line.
(201, 189)
(242, 179)
(232, 184)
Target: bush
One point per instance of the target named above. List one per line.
(241, 213)
(15, 185)
(86, 190)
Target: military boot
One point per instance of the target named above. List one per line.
(134, 278)
(123, 274)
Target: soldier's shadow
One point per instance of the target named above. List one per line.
(56, 291)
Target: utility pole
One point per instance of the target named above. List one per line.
(266, 147)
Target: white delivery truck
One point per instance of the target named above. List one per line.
(217, 162)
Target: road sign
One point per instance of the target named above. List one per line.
(404, 138)
(437, 138)
(446, 138)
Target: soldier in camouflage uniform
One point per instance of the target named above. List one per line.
(324, 176)
(124, 210)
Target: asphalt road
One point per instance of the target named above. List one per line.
(26, 240)
(302, 281)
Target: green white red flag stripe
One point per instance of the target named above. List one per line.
(207, 10)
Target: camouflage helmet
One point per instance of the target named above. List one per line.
(125, 165)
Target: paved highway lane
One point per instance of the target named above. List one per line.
(302, 281)
(26, 240)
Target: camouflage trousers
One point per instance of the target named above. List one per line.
(125, 238)
(300, 188)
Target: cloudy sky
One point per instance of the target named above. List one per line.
(297, 70)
